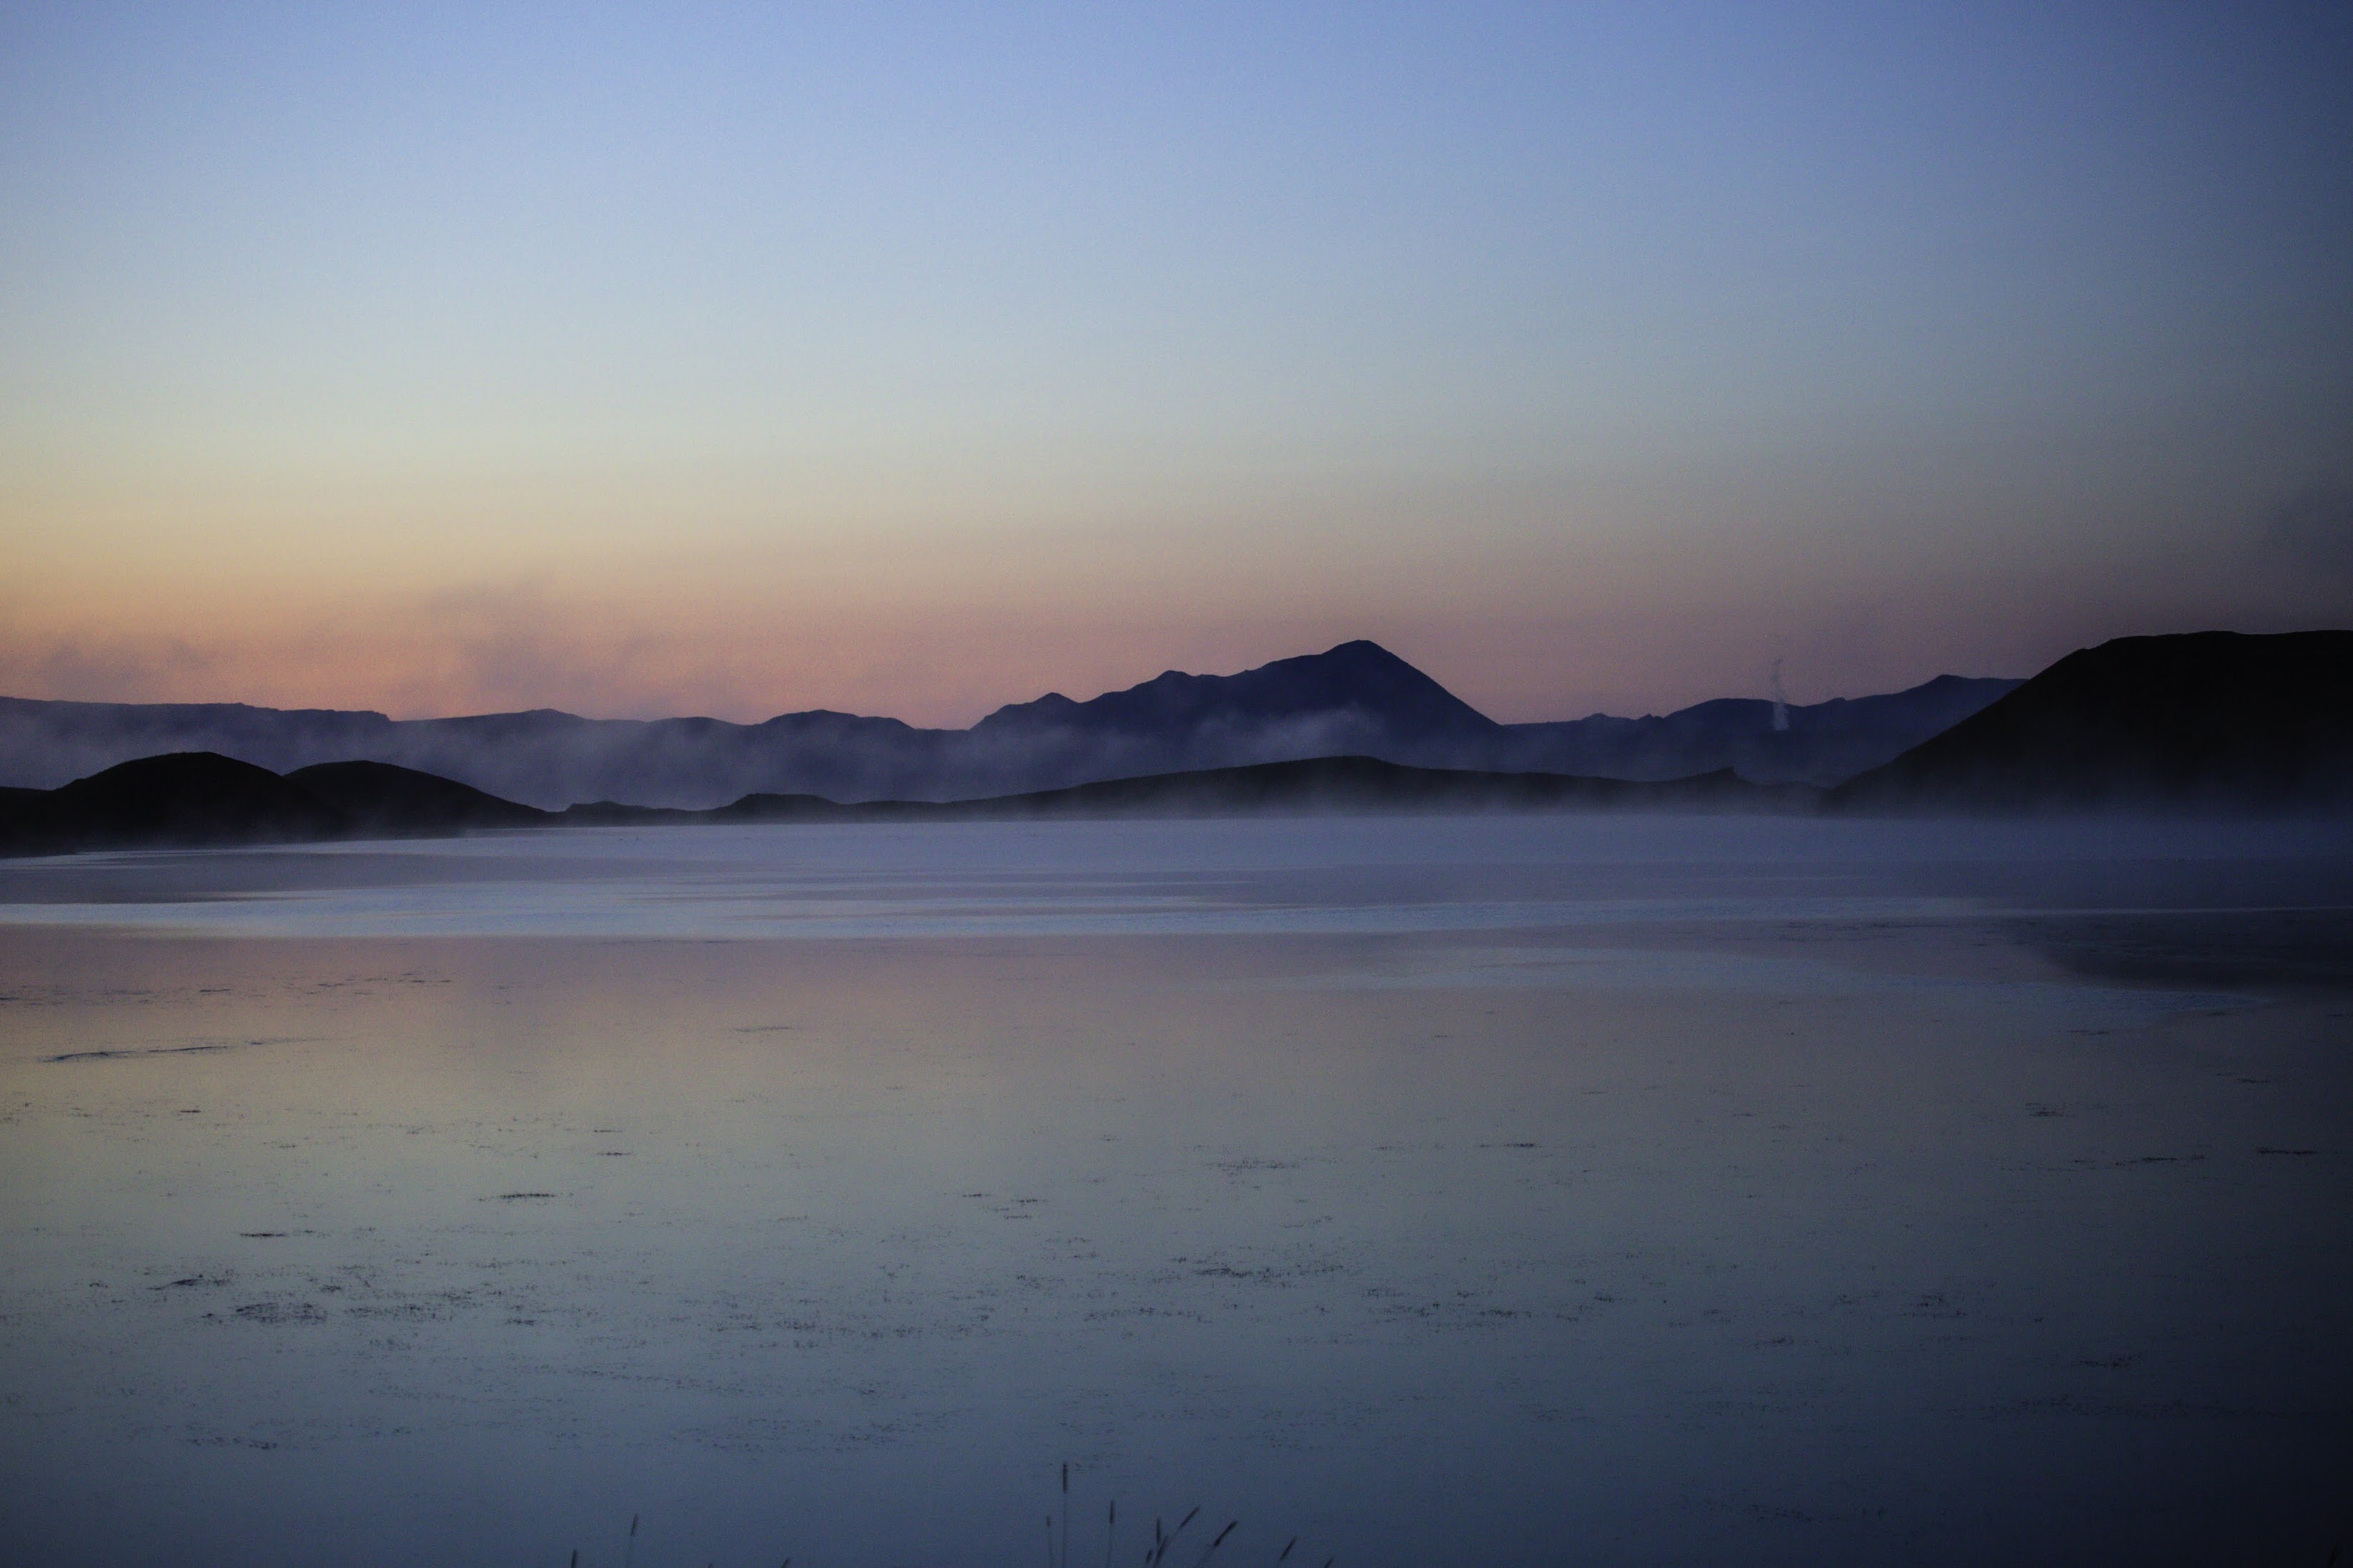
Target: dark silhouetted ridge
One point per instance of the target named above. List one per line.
(2204, 721)
(185, 797)
(1352, 785)
(195, 798)
(380, 798)
(1367, 784)
(198, 798)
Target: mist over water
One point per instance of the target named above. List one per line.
(1502, 1190)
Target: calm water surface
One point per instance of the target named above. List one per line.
(1510, 1190)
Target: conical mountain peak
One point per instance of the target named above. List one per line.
(1360, 682)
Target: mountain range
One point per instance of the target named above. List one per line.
(2207, 722)
(1355, 700)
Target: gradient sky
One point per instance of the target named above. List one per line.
(915, 360)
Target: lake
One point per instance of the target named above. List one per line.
(1502, 1190)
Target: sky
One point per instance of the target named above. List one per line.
(914, 360)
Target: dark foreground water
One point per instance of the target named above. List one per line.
(1509, 1191)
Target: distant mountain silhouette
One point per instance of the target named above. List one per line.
(199, 798)
(1818, 742)
(2204, 720)
(1356, 683)
(2212, 720)
(1357, 698)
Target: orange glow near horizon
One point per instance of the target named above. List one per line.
(1589, 359)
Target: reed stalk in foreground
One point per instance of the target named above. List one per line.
(1160, 1552)
(1211, 1550)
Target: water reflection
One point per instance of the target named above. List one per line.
(1776, 1206)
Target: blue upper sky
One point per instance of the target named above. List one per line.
(917, 359)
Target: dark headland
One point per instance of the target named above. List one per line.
(2203, 722)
